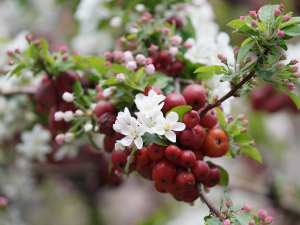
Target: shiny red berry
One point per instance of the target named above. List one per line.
(209, 119)
(187, 159)
(173, 189)
(173, 100)
(145, 171)
(164, 173)
(109, 142)
(65, 81)
(104, 107)
(191, 119)
(160, 188)
(200, 137)
(154, 88)
(156, 152)
(46, 95)
(164, 58)
(187, 137)
(195, 96)
(213, 178)
(172, 153)
(177, 67)
(141, 156)
(185, 180)
(200, 170)
(119, 160)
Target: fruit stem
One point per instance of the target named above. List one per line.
(231, 92)
(207, 201)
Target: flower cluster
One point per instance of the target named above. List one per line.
(149, 119)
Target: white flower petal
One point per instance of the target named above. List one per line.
(178, 126)
(126, 129)
(158, 130)
(138, 142)
(126, 141)
(171, 136)
(172, 118)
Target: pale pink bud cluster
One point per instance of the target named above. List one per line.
(281, 7)
(131, 65)
(165, 30)
(242, 17)
(107, 55)
(280, 33)
(283, 57)
(226, 222)
(251, 223)
(173, 50)
(176, 40)
(64, 48)
(222, 216)
(28, 37)
(117, 54)
(241, 116)
(148, 61)
(3, 202)
(120, 77)
(245, 122)
(3, 71)
(253, 23)
(230, 118)
(153, 47)
(150, 69)
(290, 86)
(236, 51)
(64, 57)
(245, 130)
(227, 203)
(280, 66)
(9, 52)
(220, 56)
(248, 59)
(128, 56)
(141, 59)
(121, 39)
(60, 138)
(252, 14)
(286, 18)
(262, 214)
(223, 60)
(277, 12)
(188, 43)
(247, 207)
(294, 69)
(269, 219)
(293, 62)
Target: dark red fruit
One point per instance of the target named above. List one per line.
(153, 164)
(188, 196)
(187, 137)
(162, 70)
(106, 122)
(164, 173)
(177, 19)
(160, 188)
(141, 156)
(216, 143)
(46, 95)
(66, 106)
(65, 81)
(213, 178)
(198, 153)
(200, 137)
(164, 59)
(200, 170)
(177, 67)
(209, 119)
(191, 119)
(109, 142)
(195, 96)
(57, 125)
(185, 180)
(156, 152)
(119, 136)
(104, 107)
(173, 189)
(172, 153)
(172, 100)
(119, 160)
(145, 171)
(187, 159)
(154, 88)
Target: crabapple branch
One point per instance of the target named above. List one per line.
(207, 201)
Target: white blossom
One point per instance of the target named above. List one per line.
(68, 97)
(88, 127)
(122, 119)
(133, 133)
(119, 146)
(35, 143)
(149, 122)
(116, 21)
(79, 112)
(69, 137)
(167, 126)
(140, 7)
(68, 116)
(58, 116)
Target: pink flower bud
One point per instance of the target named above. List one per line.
(9, 52)
(221, 216)
(3, 71)
(223, 60)
(241, 116)
(37, 41)
(251, 223)
(293, 62)
(227, 203)
(290, 86)
(120, 77)
(64, 57)
(131, 66)
(240, 212)
(220, 56)
(245, 130)
(141, 59)
(3, 202)
(56, 48)
(280, 33)
(297, 74)
(280, 66)
(245, 122)
(230, 118)
(294, 69)
(226, 222)
(17, 50)
(262, 214)
(281, 6)
(283, 57)
(188, 43)
(252, 13)
(242, 64)
(150, 69)
(242, 17)
(263, 222)
(75, 52)
(27, 37)
(64, 48)
(286, 18)
(149, 61)
(253, 23)
(173, 50)
(121, 39)
(247, 207)
(143, 18)
(176, 40)
(10, 62)
(55, 56)
(60, 138)
(107, 63)
(107, 55)
(99, 95)
(148, 15)
(153, 47)
(269, 219)
(248, 59)
(165, 30)
(277, 12)
(128, 56)
(117, 54)
(152, 20)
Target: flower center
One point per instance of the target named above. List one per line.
(150, 122)
(133, 134)
(167, 127)
(37, 141)
(148, 108)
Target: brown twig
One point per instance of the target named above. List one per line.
(207, 201)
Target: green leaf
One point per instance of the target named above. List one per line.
(228, 77)
(131, 36)
(157, 23)
(233, 130)
(293, 96)
(246, 41)
(129, 160)
(155, 139)
(291, 21)
(283, 45)
(213, 221)
(251, 152)
(262, 26)
(96, 62)
(180, 110)
(162, 80)
(244, 50)
(18, 70)
(205, 75)
(95, 146)
(139, 74)
(236, 24)
(78, 90)
(110, 166)
(224, 175)
(208, 68)
(32, 51)
(45, 47)
(243, 219)
(118, 68)
(242, 138)
(228, 198)
(266, 74)
(221, 116)
(249, 67)
(278, 20)
(266, 14)
(111, 81)
(141, 34)
(293, 30)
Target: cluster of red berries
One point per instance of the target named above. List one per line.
(176, 168)
(267, 99)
